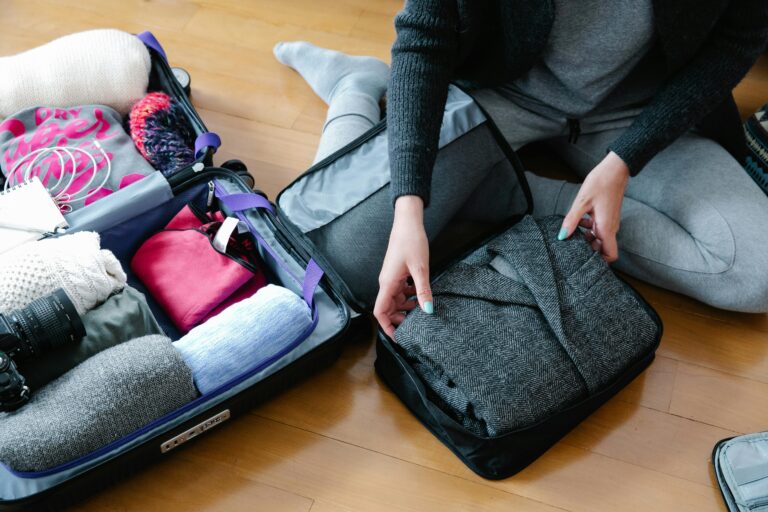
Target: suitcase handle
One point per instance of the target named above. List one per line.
(239, 204)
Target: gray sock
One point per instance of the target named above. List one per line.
(330, 73)
(351, 86)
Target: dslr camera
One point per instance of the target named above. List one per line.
(43, 325)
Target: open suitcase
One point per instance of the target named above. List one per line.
(297, 241)
(129, 216)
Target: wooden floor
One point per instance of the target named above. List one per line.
(341, 441)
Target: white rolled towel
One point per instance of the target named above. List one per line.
(73, 262)
(105, 66)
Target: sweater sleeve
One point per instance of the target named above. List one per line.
(423, 57)
(699, 86)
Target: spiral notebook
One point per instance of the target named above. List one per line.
(27, 213)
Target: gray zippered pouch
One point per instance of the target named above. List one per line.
(741, 468)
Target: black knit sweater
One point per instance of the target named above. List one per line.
(708, 47)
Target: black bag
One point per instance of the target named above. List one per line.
(343, 221)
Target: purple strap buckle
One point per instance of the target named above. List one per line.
(149, 40)
(206, 140)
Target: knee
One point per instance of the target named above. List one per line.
(745, 283)
(753, 297)
(753, 301)
(745, 286)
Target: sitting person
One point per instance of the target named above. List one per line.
(615, 88)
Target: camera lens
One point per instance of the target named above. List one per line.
(47, 323)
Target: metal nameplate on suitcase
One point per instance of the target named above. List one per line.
(195, 431)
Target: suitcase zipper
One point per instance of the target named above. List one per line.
(211, 194)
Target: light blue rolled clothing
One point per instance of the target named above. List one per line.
(243, 336)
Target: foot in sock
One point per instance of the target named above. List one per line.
(331, 73)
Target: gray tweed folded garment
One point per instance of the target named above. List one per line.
(524, 327)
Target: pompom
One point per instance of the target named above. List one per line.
(161, 132)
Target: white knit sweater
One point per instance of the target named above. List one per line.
(105, 66)
(74, 262)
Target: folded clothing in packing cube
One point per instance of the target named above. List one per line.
(525, 327)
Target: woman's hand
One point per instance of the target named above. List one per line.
(407, 256)
(600, 197)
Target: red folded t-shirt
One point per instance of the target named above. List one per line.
(187, 276)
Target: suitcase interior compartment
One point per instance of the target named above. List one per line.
(153, 209)
(335, 203)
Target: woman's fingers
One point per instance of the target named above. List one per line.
(609, 247)
(384, 307)
(579, 208)
(397, 319)
(407, 305)
(420, 275)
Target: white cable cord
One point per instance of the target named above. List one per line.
(107, 173)
(28, 174)
(62, 195)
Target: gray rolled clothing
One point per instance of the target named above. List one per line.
(122, 317)
(99, 401)
(525, 327)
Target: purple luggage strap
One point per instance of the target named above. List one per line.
(239, 204)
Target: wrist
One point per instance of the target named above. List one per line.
(618, 165)
(411, 207)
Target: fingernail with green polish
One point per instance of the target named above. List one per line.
(562, 234)
(428, 307)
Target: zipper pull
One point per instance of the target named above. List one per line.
(574, 130)
(211, 193)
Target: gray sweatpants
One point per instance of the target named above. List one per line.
(693, 221)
